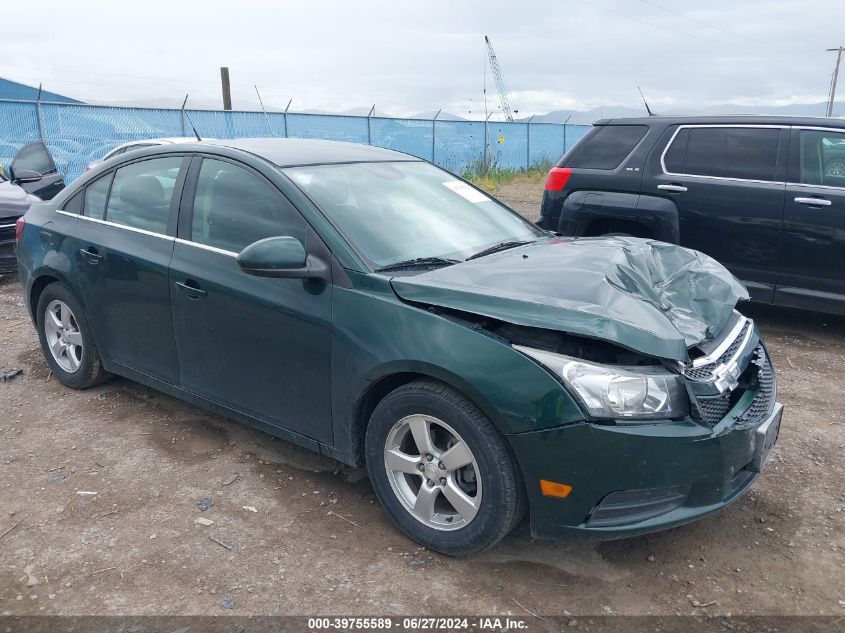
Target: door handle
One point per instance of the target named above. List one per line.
(672, 188)
(91, 255)
(192, 291)
(814, 202)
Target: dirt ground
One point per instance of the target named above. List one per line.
(99, 492)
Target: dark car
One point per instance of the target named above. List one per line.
(765, 196)
(25, 185)
(14, 202)
(375, 308)
(34, 170)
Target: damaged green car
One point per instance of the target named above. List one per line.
(379, 310)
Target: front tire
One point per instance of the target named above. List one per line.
(67, 340)
(441, 470)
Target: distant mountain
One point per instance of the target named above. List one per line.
(587, 117)
(443, 116)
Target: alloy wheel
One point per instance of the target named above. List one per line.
(64, 339)
(433, 472)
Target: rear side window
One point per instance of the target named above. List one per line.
(607, 148)
(141, 194)
(724, 152)
(822, 158)
(95, 198)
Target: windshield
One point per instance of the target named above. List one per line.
(402, 211)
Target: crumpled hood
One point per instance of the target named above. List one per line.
(14, 201)
(649, 296)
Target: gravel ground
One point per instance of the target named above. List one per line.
(99, 492)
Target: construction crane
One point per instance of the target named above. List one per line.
(504, 95)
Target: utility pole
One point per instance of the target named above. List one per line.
(227, 90)
(839, 52)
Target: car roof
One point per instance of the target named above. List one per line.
(728, 119)
(289, 152)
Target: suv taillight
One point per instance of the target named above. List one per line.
(557, 177)
(19, 228)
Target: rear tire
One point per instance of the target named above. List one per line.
(67, 340)
(441, 470)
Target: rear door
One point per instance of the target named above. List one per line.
(125, 239)
(727, 182)
(258, 345)
(36, 157)
(812, 265)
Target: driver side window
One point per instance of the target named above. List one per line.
(234, 207)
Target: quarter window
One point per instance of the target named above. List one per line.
(607, 148)
(822, 158)
(141, 194)
(95, 198)
(234, 208)
(743, 153)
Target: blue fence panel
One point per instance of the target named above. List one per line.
(458, 144)
(547, 143)
(18, 126)
(78, 134)
(413, 136)
(508, 144)
(328, 127)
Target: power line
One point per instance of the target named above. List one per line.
(700, 22)
(647, 22)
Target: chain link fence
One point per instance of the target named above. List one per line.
(78, 134)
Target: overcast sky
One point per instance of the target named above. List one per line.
(410, 57)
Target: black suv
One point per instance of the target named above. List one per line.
(763, 195)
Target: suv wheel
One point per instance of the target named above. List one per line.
(66, 339)
(444, 474)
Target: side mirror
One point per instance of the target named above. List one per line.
(282, 257)
(26, 175)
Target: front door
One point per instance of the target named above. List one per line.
(125, 242)
(36, 157)
(812, 267)
(727, 184)
(258, 345)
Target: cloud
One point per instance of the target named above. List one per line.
(411, 57)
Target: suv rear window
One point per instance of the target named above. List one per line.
(724, 152)
(607, 148)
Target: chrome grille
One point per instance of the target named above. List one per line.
(705, 372)
(712, 409)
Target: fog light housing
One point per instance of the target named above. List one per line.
(632, 506)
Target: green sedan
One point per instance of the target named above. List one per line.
(379, 310)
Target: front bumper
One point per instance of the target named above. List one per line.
(681, 470)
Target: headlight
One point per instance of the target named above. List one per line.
(630, 393)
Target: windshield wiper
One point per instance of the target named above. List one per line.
(501, 246)
(419, 262)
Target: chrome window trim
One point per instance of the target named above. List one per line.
(713, 125)
(178, 240)
(814, 128)
(169, 238)
(206, 247)
(809, 186)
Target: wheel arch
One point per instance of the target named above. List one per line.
(36, 288)
(394, 376)
(603, 226)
